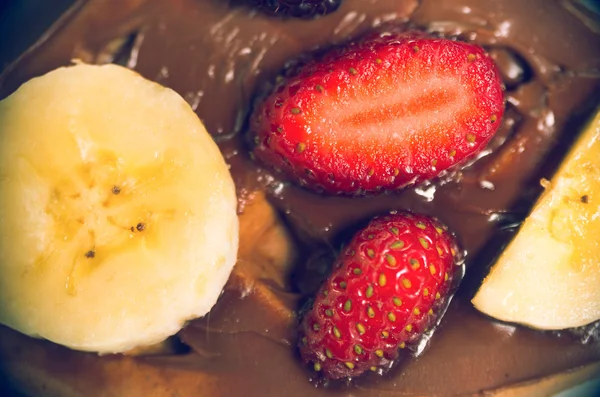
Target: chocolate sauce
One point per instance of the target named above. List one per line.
(216, 57)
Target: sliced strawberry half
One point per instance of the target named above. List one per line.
(382, 113)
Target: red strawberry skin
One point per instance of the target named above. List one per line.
(388, 111)
(389, 285)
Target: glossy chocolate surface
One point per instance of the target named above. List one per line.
(217, 57)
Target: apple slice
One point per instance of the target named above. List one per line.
(549, 275)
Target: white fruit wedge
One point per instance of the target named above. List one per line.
(118, 212)
(549, 275)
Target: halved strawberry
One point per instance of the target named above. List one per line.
(381, 113)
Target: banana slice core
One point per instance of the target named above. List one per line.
(117, 211)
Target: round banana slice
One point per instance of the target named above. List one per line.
(118, 212)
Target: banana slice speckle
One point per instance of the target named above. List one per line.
(118, 212)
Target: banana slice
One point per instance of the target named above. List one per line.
(118, 212)
(549, 275)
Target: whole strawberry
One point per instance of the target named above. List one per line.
(388, 286)
(382, 113)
